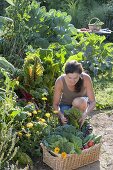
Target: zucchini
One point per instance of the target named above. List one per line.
(88, 138)
(97, 139)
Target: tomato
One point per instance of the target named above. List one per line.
(90, 143)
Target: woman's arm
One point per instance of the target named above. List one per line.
(57, 94)
(90, 94)
(56, 98)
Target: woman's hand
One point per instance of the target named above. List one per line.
(63, 119)
(82, 119)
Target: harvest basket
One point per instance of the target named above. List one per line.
(95, 24)
(72, 161)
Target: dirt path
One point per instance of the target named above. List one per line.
(103, 125)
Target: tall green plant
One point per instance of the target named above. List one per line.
(14, 41)
(33, 70)
(104, 13)
(36, 27)
(95, 55)
(8, 137)
(40, 70)
(82, 11)
(55, 4)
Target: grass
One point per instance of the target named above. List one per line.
(104, 94)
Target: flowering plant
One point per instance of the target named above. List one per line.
(33, 124)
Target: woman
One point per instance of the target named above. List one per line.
(73, 89)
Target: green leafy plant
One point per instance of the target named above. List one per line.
(38, 31)
(73, 115)
(31, 125)
(64, 139)
(7, 65)
(32, 70)
(80, 12)
(67, 139)
(8, 137)
(94, 54)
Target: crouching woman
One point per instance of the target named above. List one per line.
(73, 89)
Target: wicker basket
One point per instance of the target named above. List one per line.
(72, 161)
(96, 25)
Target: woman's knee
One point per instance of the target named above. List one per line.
(80, 103)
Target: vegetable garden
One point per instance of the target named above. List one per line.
(35, 42)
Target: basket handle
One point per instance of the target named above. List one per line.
(97, 20)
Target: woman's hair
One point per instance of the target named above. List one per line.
(75, 67)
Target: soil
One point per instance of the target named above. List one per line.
(102, 122)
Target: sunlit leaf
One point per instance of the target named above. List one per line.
(10, 2)
(14, 113)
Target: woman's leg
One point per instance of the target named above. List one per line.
(80, 103)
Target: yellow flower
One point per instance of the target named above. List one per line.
(37, 118)
(56, 150)
(29, 103)
(55, 111)
(29, 114)
(20, 134)
(39, 111)
(44, 98)
(45, 124)
(34, 112)
(28, 135)
(23, 128)
(47, 115)
(42, 123)
(17, 83)
(42, 120)
(63, 154)
(29, 125)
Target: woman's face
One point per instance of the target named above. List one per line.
(72, 78)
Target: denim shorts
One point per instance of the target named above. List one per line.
(64, 107)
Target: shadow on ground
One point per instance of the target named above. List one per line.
(42, 166)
